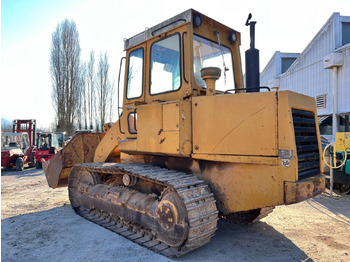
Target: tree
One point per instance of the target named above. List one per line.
(90, 78)
(111, 100)
(103, 87)
(65, 73)
(82, 102)
(6, 125)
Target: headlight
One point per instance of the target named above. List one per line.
(233, 37)
(197, 20)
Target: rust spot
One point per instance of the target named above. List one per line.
(86, 150)
(165, 217)
(67, 159)
(196, 147)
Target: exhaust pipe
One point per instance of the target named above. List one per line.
(252, 61)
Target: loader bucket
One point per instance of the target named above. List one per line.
(81, 149)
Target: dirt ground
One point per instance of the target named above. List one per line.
(38, 224)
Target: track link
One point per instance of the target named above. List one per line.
(202, 214)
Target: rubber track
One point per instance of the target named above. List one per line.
(199, 202)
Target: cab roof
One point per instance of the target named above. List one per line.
(180, 19)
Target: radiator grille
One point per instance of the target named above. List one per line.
(306, 143)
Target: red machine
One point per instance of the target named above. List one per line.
(48, 144)
(28, 126)
(17, 147)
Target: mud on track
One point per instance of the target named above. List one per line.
(38, 224)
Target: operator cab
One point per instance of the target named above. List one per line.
(14, 140)
(164, 63)
(46, 141)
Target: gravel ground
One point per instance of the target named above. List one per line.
(38, 224)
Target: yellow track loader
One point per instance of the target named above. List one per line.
(192, 143)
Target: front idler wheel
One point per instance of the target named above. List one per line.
(171, 214)
(78, 182)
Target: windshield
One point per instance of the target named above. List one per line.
(210, 54)
(60, 139)
(55, 140)
(44, 142)
(13, 140)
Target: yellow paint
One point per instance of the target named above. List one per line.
(165, 203)
(342, 141)
(240, 124)
(108, 144)
(286, 140)
(341, 144)
(164, 128)
(171, 117)
(237, 159)
(80, 149)
(301, 190)
(241, 187)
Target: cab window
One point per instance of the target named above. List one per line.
(165, 65)
(135, 72)
(207, 53)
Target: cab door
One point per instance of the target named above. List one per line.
(134, 94)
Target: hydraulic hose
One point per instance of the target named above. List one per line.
(334, 157)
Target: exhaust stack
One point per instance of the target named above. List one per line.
(252, 61)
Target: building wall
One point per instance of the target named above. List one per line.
(276, 67)
(344, 82)
(269, 71)
(307, 74)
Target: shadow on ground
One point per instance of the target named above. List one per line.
(257, 242)
(60, 235)
(335, 205)
(27, 172)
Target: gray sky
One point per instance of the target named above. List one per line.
(27, 25)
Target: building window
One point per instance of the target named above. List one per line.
(325, 124)
(344, 123)
(345, 33)
(286, 63)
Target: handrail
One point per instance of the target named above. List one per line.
(247, 88)
(119, 115)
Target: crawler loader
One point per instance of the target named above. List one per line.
(192, 144)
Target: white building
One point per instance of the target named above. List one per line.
(322, 70)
